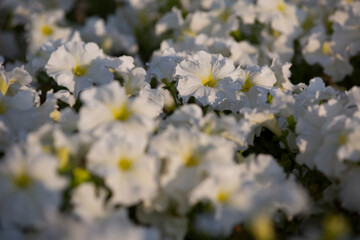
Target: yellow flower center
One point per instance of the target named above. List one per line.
(342, 139)
(80, 71)
(335, 226)
(81, 175)
(3, 86)
(191, 160)
(123, 113)
(125, 164)
(224, 16)
(189, 33)
(262, 228)
(223, 196)
(281, 7)
(47, 30)
(63, 155)
(276, 33)
(22, 181)
(326, 48)
(208, 128)
(55, 115)
(107, 44)
(269, 98)
(209, 81)
(247, 85)
(308, 23)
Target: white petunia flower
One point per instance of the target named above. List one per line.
(121, 160)
(171, 20)
(78, 66)
(18, 115)
(218, 22)
(118, 225)
(319, 48)
(282, 73)
(255, 83)
(30, 187)
(108, 36)
(163, 64)
(258, 117)
(87, 204)
(108, 106)
(37, 61)
(243, 53)
(346, 36)
(186, 44)
(283, 17)
(320, 132)
(208, 78)
(131, 77)
(43, 27)
(187, 157)
(246, 10)
(227, 126)
(282, 102)
(257, 186)
(274, 44)
(169, 226)
(315, 93)
(11, 82)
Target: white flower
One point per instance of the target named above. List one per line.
(346, 35)
(186, 43)
(169, 226)
(257, 186)
(121, 160)
(315, 93)
(282, 73)
(43, 27)
(162, 65)
(218, 22)
(78, 66)
(243, 53)
(171, 20)
(19, 114)
(354, 97)
(225, 126)
(187, 115)
(11, 82)
(283, 17)
(188, 155)
(109, 105)
(208, 78)
(87, 204)
(261, 117)
(68, 148)
(282, 102)
(118, 225)
(319, 48)
(245, 10)
(108, 36)
(30, 187)
(319, 137)
(255, 83)
(132, 78)
(38, 60)
(274, 44)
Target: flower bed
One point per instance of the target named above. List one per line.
(179, 119)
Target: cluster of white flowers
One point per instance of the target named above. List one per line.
(195, 132)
